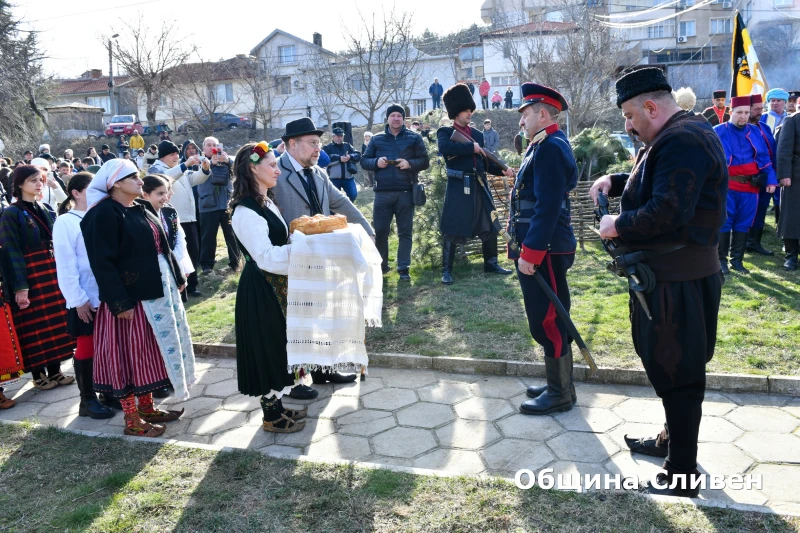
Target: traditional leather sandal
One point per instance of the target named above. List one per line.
(158, 416)
(61, 379)
(296, 414)
(6, 403)
(143, 429)
(43, 383)
(292, 426)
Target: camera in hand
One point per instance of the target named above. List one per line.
(391, 162)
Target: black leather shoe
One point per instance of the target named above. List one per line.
(303, 392)
(195, 293)
(92, 408)
(110, 401)
(333, 377)
(447, 278)
(448, 258)
(754, 242)
(557, 397)
(163, 392)
(491, 266)
(657, 446)
(535, 392)
(404, 275)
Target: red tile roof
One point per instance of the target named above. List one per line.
(88, 85)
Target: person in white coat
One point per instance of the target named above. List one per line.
(79, 287)
(52, 193)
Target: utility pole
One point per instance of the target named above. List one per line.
(111, 76)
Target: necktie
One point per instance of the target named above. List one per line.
(311, 191)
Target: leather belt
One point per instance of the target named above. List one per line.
(741, 179)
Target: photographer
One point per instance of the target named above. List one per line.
(397, 156)
(342, 168)
(52, 194)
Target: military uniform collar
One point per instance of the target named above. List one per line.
(542, 135)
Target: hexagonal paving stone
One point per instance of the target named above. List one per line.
(60, 408)
(425, 415)
(366, 422)
(403, 442)
(497, 387)
(767, 419)
(315, 429)
(252, 437)
(510, 455)
(444, 392)
(717, 404)
(217, 422)
(780, 483)
(467, 434)
(588, 419)
(627, 464)
(762, 400)
(389, 399)
(639, 410)
(716, 429)
(73, 421)
(333, 407)
(575, 473)
(63, 392)
(460, 461)
(223, 389)
(793, 407)
(585, 447)
(598, 396)
(281, 451)
(483, 409)
(637, 391)
(358, 388)
(214, 375)
(239, 402)
(404, 379)
(449, 377)
(528, 427)
(340, 447)
(197, 406)
(726, 459)
(771, 447)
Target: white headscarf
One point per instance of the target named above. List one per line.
(111, 172)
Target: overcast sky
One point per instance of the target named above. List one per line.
(69, 29)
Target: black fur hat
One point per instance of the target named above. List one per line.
(640, 81)
(457, 99)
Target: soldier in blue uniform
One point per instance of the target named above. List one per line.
(540, 225)
(749, 168)
(468, 201)
(757, 229)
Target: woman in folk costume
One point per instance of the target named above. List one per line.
(260, 314)
(77, 284)
(141, 339)
(40, 315)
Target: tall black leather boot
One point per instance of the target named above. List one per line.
(489, 250)
(754, 242)
(777, 214)
(738, 242)
(790, 246)
(557, 398)
(90, 406)
(535, 392)
(724, 246)
(448, 258)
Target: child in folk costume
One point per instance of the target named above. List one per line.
(260, 316)
(40, 315)
(77, 284)
(142, 342)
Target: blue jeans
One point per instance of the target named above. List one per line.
(400, 206)
(348, 186)
(437, 102)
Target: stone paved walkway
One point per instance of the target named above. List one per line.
(469, 424)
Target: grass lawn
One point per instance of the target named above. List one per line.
(482, 316)
(54, 480)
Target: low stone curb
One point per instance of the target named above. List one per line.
(405, 469)
(783, 385)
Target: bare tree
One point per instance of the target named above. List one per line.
(376, 62)
(151, 57)
(775, 42)
(319, 78)
(268, 90)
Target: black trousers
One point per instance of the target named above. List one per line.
(546, 328)
(193, 247)
(674, 348)
(210, 223)
(400, 205)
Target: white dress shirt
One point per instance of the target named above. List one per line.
(252, 231)
(75, 278)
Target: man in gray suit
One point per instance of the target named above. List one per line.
(304, 189)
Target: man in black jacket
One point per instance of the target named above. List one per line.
(342, 168)
(672, 207)
(397, 155)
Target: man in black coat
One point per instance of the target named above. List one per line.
(396, 156)
(673, 204)
(342, 168)
(468, 201)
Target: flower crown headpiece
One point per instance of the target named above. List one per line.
(260, 151)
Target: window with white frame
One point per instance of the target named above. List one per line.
(283, 84)
(419, 107)
(783, 3)
(498, 81)
(394, 80)
(661, 30)
(357, 82)
(223, 93)
(684, 4)
(287, 54)
(719, 26)
(98, 101)
(686, 29)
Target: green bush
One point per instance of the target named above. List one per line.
(596, 151)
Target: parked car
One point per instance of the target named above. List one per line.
(148, 130)
(123, 125)
(625, 140)
(221, 121)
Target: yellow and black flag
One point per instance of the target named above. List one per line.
(748, 76)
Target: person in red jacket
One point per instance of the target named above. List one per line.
(483, 89)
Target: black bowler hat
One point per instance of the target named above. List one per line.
(794, 95)
(338, 131)
(641, 81)
(300, 127)
(533, 93)
(719, 94)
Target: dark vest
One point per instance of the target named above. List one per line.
(278, 235)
